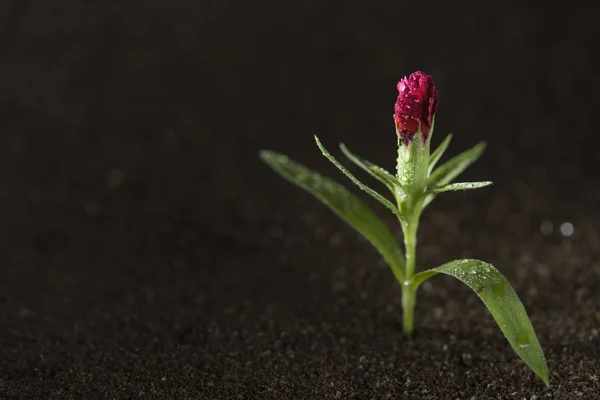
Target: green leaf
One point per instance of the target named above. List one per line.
(374, 170)
(502, 302)
(446, 172)
(438, 153)
(459, 186)
(346, 205)
(358, 183)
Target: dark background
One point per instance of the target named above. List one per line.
(147, 253)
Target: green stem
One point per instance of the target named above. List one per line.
(410, 244)
(409, 227)
(408, 310)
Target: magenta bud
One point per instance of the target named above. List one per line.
(416, 105)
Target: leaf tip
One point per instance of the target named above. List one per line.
(543, 375)
(546, 380)
(265, 155)
(447, 139)
(321, 147)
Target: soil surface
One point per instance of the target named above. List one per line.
(148, 253)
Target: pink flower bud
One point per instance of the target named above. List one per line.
(417, 103)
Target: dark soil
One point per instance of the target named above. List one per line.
(147, 253)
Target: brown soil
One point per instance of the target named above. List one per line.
(149, 254)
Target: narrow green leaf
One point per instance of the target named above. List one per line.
(504, 305)
(446, 172)
(358, 183)
(372, 169)
(393, 182)
(438, 153)
(459, 186)
(346, 205)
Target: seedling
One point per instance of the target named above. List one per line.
(416, 183)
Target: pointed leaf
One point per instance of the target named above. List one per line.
(358, 183)
(372, 169)
(504, 305)
(346, 205)
(446, 172)
(438, 153)
(459, 186)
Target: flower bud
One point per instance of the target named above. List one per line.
(415, 107)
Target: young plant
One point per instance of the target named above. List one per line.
(416, 183)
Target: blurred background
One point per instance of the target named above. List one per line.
(147, 250)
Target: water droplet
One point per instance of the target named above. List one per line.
(567, 229)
